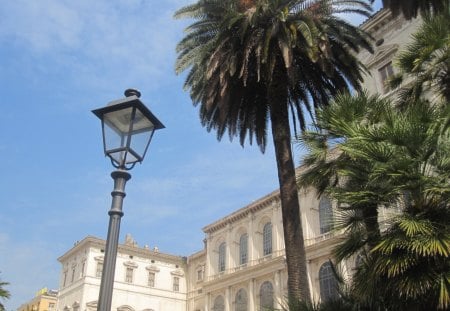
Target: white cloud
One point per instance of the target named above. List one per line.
(98, 44)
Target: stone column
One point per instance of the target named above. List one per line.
(228, 299)
(251, 240)
(251, 295)
(209, 257)
(278, 289)
(276, 228)
(208, 302)
(228, 240)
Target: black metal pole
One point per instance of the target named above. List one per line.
(120, 178)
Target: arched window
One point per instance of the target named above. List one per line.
(267, 239)
(266, 296)
(241, 300)
(243, 249)
(222, 249)
(327, 282)
(219, 304)
(325, 215)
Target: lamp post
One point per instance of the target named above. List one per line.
(127, 127)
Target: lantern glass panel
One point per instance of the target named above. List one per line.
(142, 133)
(116, 129)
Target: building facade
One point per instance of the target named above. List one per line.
(144, 279)
(242, 265)
(44, 300)
(390, 35)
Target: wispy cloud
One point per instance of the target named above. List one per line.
(95, 42)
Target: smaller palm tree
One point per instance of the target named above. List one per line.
(391, 158)
(337, 168)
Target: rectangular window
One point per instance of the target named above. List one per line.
(176, 284)
(73, 275)
(83, 266)
(51, 306)
(222, 249)
(65, 278)
(243, 249)
(129, 275)
(200, 275)
(385, 73)
(151, 279)
(267, 239)
(99, 270)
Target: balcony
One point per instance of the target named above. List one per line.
(275, 256)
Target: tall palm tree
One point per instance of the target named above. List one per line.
(258, 61)
(410, 8)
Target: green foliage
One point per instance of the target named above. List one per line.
(238, 53)
(4, 294)
(251, 62)
(425, 63)
(387, 157)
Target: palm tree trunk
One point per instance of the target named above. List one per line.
(298, 286)
(370, 217)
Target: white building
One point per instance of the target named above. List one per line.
(144, 279)
(242, 266)
(390, 34)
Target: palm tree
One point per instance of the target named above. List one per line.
(411, 156)
(410, 8)
(334, 167)
(255, 61)
(4, 294)
(425, 63)
(407, 163)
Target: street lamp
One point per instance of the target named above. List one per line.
(127, 126)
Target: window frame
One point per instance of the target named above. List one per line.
(385, 72)
(327, 282)
(151, 277)
(222, 257)
(241, 300)
(243, 249)
(129, 275)
(176, 284)
(267, 239)
(266, 298)
(325, 215)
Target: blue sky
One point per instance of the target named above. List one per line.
(59, 59)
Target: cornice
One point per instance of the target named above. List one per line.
(91, 241)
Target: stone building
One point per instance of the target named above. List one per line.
(145, 279)
(44, 300)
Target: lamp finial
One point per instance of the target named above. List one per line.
(132, 92)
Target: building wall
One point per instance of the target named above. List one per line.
(44, 300)
(132, 291)
(390, 36)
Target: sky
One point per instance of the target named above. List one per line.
(60, 59)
